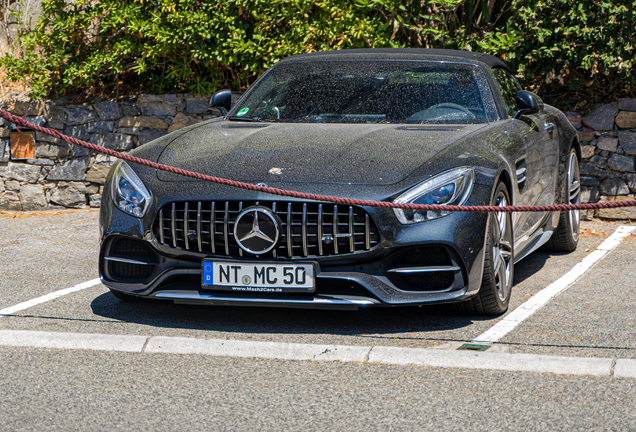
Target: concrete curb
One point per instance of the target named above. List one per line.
(84, 341)
(624, 368)
(266, 350)
(492, 361)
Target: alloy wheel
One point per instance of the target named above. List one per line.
(574, 194)
(502, 251)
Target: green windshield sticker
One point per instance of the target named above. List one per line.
(242, 112)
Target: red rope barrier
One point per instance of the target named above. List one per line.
(308, 196)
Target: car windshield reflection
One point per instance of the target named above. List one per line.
(366, 92)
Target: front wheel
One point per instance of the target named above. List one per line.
(496, 285)
(565, 237)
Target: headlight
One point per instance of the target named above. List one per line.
(129, 193)
(449, 188)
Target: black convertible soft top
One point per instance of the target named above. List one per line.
(465, 56)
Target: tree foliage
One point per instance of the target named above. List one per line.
(569, 51)
(558, 47)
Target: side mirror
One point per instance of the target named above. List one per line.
(222, 100)
(528, 103)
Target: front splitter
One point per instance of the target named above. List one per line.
(316, 302)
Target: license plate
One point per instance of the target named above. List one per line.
(257, 277)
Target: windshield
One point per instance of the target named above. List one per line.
(366, 92)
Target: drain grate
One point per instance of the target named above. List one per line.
(474, 347)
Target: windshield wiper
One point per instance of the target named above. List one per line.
(247, 119)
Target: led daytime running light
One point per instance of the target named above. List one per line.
(449, 188)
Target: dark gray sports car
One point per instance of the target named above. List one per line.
(401, 125)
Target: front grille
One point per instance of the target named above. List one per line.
(308, 229)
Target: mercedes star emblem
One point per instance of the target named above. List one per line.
(257, 230)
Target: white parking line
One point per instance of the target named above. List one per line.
(543, 297)
(625, 368)
(47, 297)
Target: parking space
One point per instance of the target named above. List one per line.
(381, 381)
(47, 252)
(593, 318)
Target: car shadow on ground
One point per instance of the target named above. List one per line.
(260, 320)
(530, 265)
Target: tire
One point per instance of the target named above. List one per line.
(496, 285)
(124, 297)
(565, 237)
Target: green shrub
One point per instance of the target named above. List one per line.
(198, 46)
(570, 52)
(560, 48)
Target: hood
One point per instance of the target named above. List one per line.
(371, 154)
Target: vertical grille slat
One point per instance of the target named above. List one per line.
(304, 232)
(367, 232)
(352, 240)
(334, 229)
(199, 239)
(240, 210)
(226, 225)
(213, 227)
(174, 225)
(320, 224)
(161, 236)
(186, 226)
(274, 210)
(290, 247)
(309, 229)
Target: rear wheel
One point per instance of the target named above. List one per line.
(496, 285)
(566, 236)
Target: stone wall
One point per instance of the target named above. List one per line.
(608, 166)
(66, 176)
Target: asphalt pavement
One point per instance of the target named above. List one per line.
(97, 391)
(71, 389)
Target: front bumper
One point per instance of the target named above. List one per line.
(449, 250)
